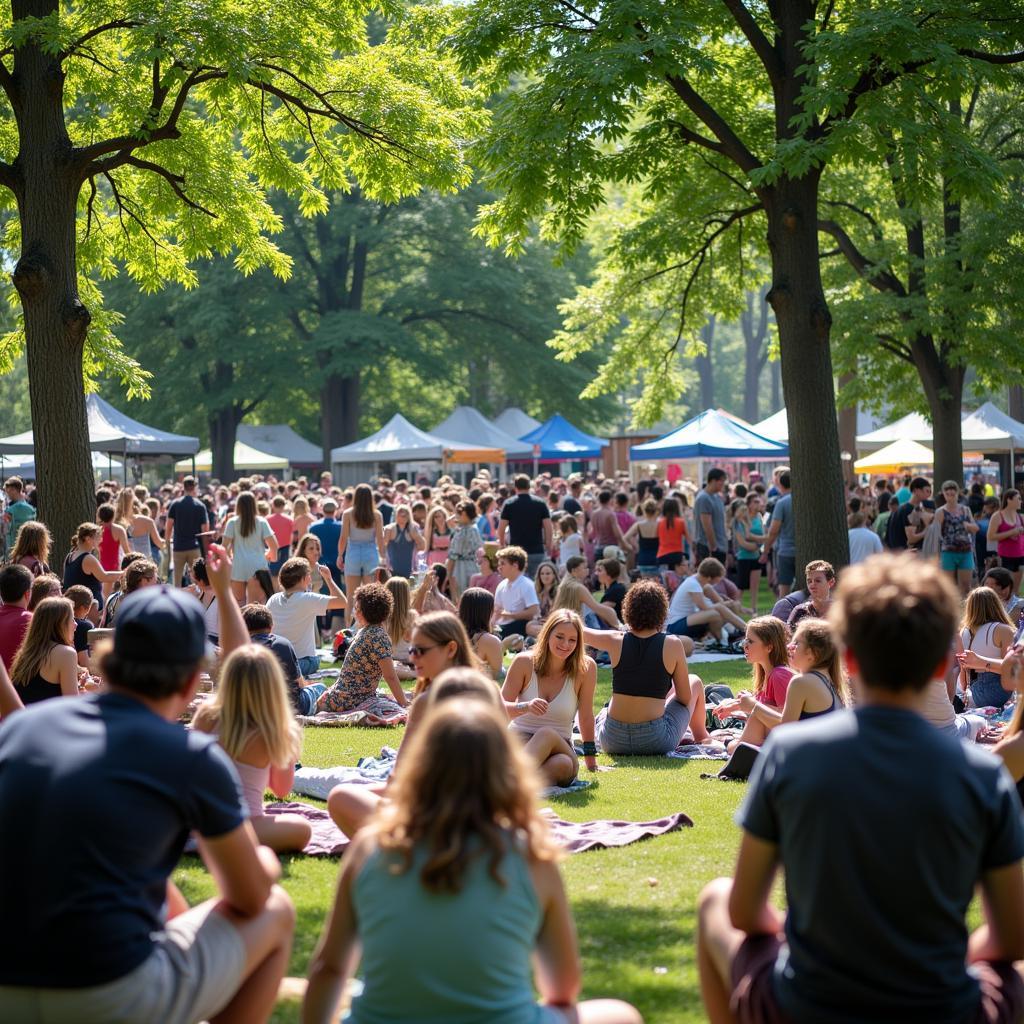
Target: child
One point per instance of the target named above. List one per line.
(253, 720)
(912, 821)
(84, 603)
(570, 545)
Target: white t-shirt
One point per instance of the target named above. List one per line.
(571, 544)
(295, 619)
(863, 544)
(514, 596)
(682, 603)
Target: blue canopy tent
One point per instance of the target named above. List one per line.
(557, 440)
(711, 435)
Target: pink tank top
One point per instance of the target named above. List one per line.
(1012, 547)
(254, 781)
(439, 544)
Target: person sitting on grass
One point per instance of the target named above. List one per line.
(476, 608)
(543, 691)
(368, 657)
(654, 697)
(614, 590)
(821, 581)
(696, 609)
(46, 664)
(574, 597)
(252, 719)
(82, 601)
(125, 784)
(1001, 581)
(259, 623)
(876, 787)
(462, 832)
(766, 648)
(44, 586)
(515, 600)
(986, 634)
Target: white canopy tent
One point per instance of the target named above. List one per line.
(25, 465)
(776, 426)
(472, 427)
(912, 427)
(244, 458)
(515, 422)
(281, 440)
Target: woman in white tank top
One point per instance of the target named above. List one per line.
(545, 689)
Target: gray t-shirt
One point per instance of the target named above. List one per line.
(711, 505)
(783, 514)
(884, 826)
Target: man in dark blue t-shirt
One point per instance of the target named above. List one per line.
(98, 796)
(884, 826)
(187, 517)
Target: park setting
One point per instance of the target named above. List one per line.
(511, 512)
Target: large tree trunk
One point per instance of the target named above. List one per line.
(223, 431)
(1016, 401)
(705, 367)
(944, 388)
(776, 372)
(804, 324)
(339, 412)
(754, 323)
(848, 430)
(45, 277)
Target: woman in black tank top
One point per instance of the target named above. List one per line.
(654, 698)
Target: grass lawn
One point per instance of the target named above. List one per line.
(634, 906)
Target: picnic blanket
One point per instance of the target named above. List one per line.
(377, 711)
(318, 782)
(698, 752)
(574, 787)
(576, 837)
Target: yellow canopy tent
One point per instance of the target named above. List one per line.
(898, 455)
(245, 458)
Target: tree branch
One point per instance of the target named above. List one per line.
(723, 225)
(883, 280)
(993, 58)
(108, 26)
(893, 344)
(176, 181)
(760, 43)
(876, 230)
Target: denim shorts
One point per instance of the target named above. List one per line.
(657, 737)
(361, 558)
(953, 560)
(309, 665)
(308, 696)
(987, 690)
(785, 569)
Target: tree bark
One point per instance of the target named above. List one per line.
(944, 388)
(848, 430)
(804, 323)
(45, 276)
(705, 367)
(776, 373)
(1015, 401)
(755, 351)
(339, 412)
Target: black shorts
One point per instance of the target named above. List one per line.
(744, 567)
(1011, 562)
(671, 559)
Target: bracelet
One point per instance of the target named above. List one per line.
(521, 705)
(589, 748)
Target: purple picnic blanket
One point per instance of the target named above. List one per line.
(329, 841)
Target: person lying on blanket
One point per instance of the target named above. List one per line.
(913, 821)
(368, 656)
(543, 691)
(439, 642)
(654, 697)
(94, 930)
(462, 832)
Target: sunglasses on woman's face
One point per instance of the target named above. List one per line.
(418, 652)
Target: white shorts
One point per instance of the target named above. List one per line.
(192, 974)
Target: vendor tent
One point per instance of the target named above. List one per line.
(987, 429)
(244, 457)
(515, 422)
(25, 465)
(912, 427)
(472, 427)
(710, 436)
(776, 426)
(399, 441)
(905, 454)
(279, 439)
(113, 432)
(559, 441)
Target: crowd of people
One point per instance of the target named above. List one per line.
(480, 613)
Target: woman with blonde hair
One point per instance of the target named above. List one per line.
(403, 539)
(986, 632)
(400, 623)
(437, 536)
(143, 535)
(819, 686)
(545, 689)
(252, 718)
(250, 542)
(461, 832)
(32, 547)
(301, 520)
(573, 596)
(46, 664)
(361, 544)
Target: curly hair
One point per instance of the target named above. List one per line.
(645, 606)
(375, 602)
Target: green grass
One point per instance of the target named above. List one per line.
(634, 906)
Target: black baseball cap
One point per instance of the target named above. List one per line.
(161, 625)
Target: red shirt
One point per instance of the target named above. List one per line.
(776, 685)
(282, 526)
(14, 622)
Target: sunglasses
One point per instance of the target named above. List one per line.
(418, 652)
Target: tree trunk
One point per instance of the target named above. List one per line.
(1015, 402)
(705, 367)
(776, 372)
(944, 388)
(339, 412)
(223, 424)
(848, 430)
(45, 276)
(755, 330)
(804, 324)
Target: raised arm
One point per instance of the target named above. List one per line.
(233, 633)
(604, 611)
(338, 599)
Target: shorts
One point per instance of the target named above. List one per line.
(671, 558)
(309, 665)
(194, 971)
(785, 569)
(361, 558)
(681, 627)
(702, 551)
(283, 554)
(307, 698)
(656, 737)
(744, 567)
(1011, 562)
(753, 999)
(953, 561)
(515, 628)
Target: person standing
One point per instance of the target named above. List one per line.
(864, 542)
(327, 531)
(187, 517)
(709, 518)
(526, 523)
(18, 512)
(1006, 529)
(956, 526)
(782, 531)
(604, 526)
(908, 524)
